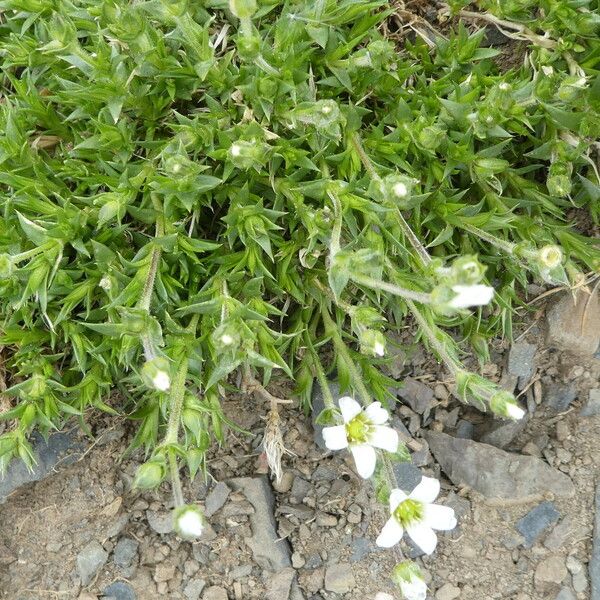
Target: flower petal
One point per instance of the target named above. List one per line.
(349, 408)
(439, 517)
(396, 498)
(335, 437)
(471, 295)
(365, 459)
(385, 438)
(423, 536)
(391, 534)
(376, 413)
(427, 490)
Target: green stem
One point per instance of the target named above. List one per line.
(342, 350)
(499, 243)
(438, 347)
(392, 288)
(408, 232)
(328, 400)
(176, 398)
(336, 232)
(146, 297)
(175, 480)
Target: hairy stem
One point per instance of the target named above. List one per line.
(406, 229)
(392, 288)
(334, 331)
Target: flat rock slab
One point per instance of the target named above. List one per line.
(62, 448)
(536, 521)
(594, 565)
(268, 550)
(494, 472)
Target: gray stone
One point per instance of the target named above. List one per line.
(216, 498)
(300, 489)
(90, 560)
(361, 547)
(193, 589)
(125, 551)
(494, 472)
(417, 395)
(324, 473)
(160, 521)
(560, 395)
(317, 407)
(574, 323)
(594, 565)
(447, 592)
(215, 593)
(279, 585)
(407, 476)
(536, 521)
(592, 406)
(566, 594)
(339, 578)
(580, 582)
(549, 574)
(521, 360)
(465, 430)
(62, 448)
(268, 550)
(502, 432)
(119, 591)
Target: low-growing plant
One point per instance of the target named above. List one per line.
(192, 191)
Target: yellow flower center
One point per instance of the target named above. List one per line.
(358, 429)
(409, 511)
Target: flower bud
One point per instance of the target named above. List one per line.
(188, 521)
(372, 342)
(6, 266)
(409, 579)
(105, 283)
(38, 386)
(248, 46)
(246, 154)
(226, 337)
(571, 88)
(503, 403)
(559, 185)
(149, 475)
(394, 188)
(242, 9)
(467, 270)
(550, 256)
(431, 137)
(155, 374)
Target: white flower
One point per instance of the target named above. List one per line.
(189, 521)
(471, 295)
(379, 349)
(161, 381)
(415, 514)
(514, 411)
(362, 432)
(235, 150)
